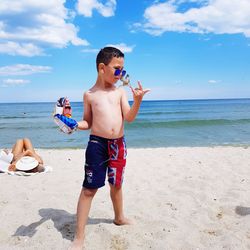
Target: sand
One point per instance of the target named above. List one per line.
(178, 198)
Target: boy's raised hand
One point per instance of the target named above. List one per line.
(139, 92)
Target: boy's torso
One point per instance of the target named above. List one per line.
(107, 117)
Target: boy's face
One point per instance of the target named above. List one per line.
(109, 70)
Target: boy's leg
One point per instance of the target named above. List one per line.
(117, 152)
(83, 207)
(117, 200)
(95, 171)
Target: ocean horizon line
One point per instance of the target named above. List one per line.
(147, 100)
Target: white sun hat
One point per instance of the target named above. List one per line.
(26, 163)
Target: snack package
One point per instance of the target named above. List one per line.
(63, 116)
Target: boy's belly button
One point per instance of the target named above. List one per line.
(113, 131)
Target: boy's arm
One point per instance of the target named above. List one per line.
(87, 115)
(129, 113)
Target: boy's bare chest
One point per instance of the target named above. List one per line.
(105, 101)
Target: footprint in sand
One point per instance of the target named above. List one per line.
(118, 243)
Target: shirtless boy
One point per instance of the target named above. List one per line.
(106, 108)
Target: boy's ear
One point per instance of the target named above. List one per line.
(101, 67)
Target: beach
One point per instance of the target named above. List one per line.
(178, 198)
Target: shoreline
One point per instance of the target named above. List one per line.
(157, 147)
(178, 197)
(144, 100)
(153, 148)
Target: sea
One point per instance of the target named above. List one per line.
(161, 123)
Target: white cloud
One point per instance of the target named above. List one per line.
(211, 16)
(90, 50)
(14, 82)
(27, 26)
(213, 81)
(122, 47)
(86, 7)
(23, 69)
(25, 49)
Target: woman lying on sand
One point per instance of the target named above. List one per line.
(24, 157)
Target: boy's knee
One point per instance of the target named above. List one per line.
(89, 192)
(115, 187)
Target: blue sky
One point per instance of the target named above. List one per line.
(181, 49)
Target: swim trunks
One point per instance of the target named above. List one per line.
(104, 156)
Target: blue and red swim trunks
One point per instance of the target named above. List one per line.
(104, 156)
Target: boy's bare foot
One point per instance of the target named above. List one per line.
(76, 245)
(122, 222)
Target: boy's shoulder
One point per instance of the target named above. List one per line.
(90, 91)
(87, 95)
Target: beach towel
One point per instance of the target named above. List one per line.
(47, 169)
(5, 160)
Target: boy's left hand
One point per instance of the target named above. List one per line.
(139, 92)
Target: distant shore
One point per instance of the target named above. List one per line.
(178, 197)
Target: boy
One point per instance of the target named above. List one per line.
(105, 109)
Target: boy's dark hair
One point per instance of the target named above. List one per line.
(106, 54)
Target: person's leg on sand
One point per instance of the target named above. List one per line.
(18, 147)
(30, 151)
(28, 145)
(117, 200)
(83, 207)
